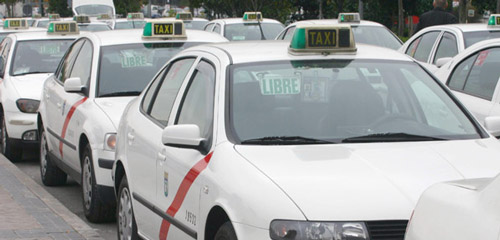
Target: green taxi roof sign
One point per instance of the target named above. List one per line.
(54, 16)
(15, 23)
(494, 20)
(104, 16)
(185, 16)
(252, 16)
(63, 28)
(349, 17)
(81, 19)
(322, 39)
(161, 29)
(135, 15)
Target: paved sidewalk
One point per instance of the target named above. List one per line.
(27, 211)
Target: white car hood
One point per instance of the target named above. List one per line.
(369, 181)
(113, 107)
(30, 85)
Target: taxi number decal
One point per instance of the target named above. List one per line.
(15, 23)
(252, 16)
(136, 61)
(348, 18)
(322, 38)
(50, 50)
(277, 85)
(498, 20)
(163, 29)
(62, 27)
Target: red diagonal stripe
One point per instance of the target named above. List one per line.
(66, 122)
(188, 180)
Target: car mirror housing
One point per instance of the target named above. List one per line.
(442, 61)
(73, 85)
(184, 136)
(492, 125)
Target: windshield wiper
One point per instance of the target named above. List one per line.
(26, 73)
(119, 94)
(285, 140)
(390, 137)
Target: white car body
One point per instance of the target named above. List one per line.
(73, 120)
(482, 107)
(395, 43)
(195, 24)
(136, 23)
(252, 185)
(5, 32)
(459, 210)
(219, 26)
(454, 39)
(78, 3)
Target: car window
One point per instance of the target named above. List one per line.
(477, 36)
(67, 62)
(483, 77)
(208, 27)
(168, 89)
(375, 35)
(150, 92)
(197, 107)
(447, 47)
(217, 28)
(424, 46)
(289, 33)
(83, 64)
(460, 73)
(6, 44)
(252, 31)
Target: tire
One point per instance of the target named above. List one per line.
(226, 232)
(10, 150)
(50, 173)
(94, 208)
(125, 219)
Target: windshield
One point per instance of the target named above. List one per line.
(94, 10)
(40, 56)
(378, 36)
(93, 27)
(251, 31)
(43, 23)
(125, 70)
(474, 37)
(130, 24)
(335, 100)
(195, 25)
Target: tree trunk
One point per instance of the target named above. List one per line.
(498, 6)
(320, 9)
(361, 9)
(340, 5)
(462, 11)
(401, 18)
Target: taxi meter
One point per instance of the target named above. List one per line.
(494, 20)
(252, 16)
(349, 18)
(322, 39)
(15, 23)
(135, 15)
(186, 16)
(164, 29)
(63, 28)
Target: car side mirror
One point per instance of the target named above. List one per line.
(184, 136)
(73, 85)
(492, 125)
(442, 61)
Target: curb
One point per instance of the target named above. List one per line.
(52, 203)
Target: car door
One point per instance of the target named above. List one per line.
(447, 47)
(53, 100)
(144, 140)
(474, 81)
(421, 48)
(180, 192)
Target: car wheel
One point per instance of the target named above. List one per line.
(9, 149)
(226, 232)
(127, 227)
(50, 173)
(93, 206)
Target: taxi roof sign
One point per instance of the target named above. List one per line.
(54, 16)
(184, 16)
(81, 19)
(104, 16)
(135, 15)
(173, 29)
(15, 23)
(63, 28)
(322, 39)
(494, 20)
(252, 16)
(349, 17)
(36, 16)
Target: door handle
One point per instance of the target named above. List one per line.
(47, 95)
(59, 105)
(162, 157)
(130, 136)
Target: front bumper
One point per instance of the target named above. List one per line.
(22, 126)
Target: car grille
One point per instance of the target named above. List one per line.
(387, 230)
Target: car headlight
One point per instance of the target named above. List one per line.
(110, 141)
(27, 105)
(304, 230)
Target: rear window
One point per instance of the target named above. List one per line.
(474, 37)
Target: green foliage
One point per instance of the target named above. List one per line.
(125, 6)
(10, 6)
(61, 7)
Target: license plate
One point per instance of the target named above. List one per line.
(163, 29)
(62, 27)
(321, 38)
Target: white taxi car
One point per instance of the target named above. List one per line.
(191, 22)
(316, 138)
(20, 25)
(366, 32)
(83, 101)
(445, 41)
(459, 210)
(26, 60)
(251, 27)
(86, 25)
(133, 20)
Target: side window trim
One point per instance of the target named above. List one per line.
(437, 44)
(87, 41)
(434, 47)
(58, 80)
(475, 56)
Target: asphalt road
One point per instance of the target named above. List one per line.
(70, 195)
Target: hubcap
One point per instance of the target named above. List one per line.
(125, 215)
(87, 182)
(43, 155)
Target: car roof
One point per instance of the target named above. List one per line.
(126, 36)
(240, 20)
(335, 21)
(23, 36)
(468, 27)
(195, 19)
(275, 50)
(31, 29)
